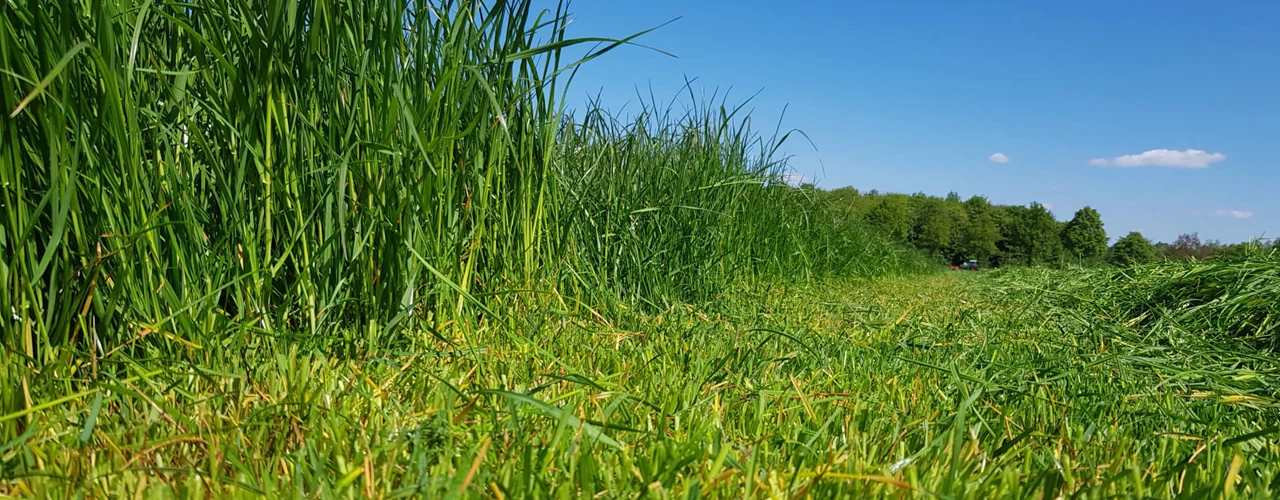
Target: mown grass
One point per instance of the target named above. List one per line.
(340, 249)
(1230, 298)
(951, 385)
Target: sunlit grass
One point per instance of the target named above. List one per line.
(340, 249)
(948, 385)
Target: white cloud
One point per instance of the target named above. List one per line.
(1191, 158)
(1048, 205)
(1238, 214)
(998, 158)
(796, 178)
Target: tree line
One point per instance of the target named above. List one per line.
(950, 230)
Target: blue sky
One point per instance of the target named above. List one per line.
(917, 96)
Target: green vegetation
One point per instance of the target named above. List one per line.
(1189, 246)
(1229, 298)
(196, 177)
(1084, 238)
(1016, 383)
(666, 210)
(1132, 249)
(951, 231)
(334, 249)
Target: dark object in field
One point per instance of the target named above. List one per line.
(969, 265)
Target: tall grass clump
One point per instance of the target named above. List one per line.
(174, 169)
(671, 205)
(186, 176)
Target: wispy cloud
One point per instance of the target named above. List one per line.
(1048, 205)
(998, 158)
(796, 178)
(1169, 158)
(1238, 214)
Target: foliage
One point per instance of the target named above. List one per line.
(1131, 250)
(894, 216)
(932, 232)
(1084, 238)
(1033, 237)
(982, 232)
(1189, 246)
(951, 231)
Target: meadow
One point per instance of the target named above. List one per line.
(337, 249)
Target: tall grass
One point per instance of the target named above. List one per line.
(327, 248)
(208, 175)
(284, 167)
(670, 205)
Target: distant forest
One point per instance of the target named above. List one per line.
(951, 230)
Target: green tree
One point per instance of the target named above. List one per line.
(841, 199)
(932, 229)
(1188, 246)
(1084, 238)
(1031, 236)
(981, 233)
(849, 202)
(893, 215)
(1132, 249)
(959, 220)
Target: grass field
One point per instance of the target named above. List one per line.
(340, 249)
(945, 385)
